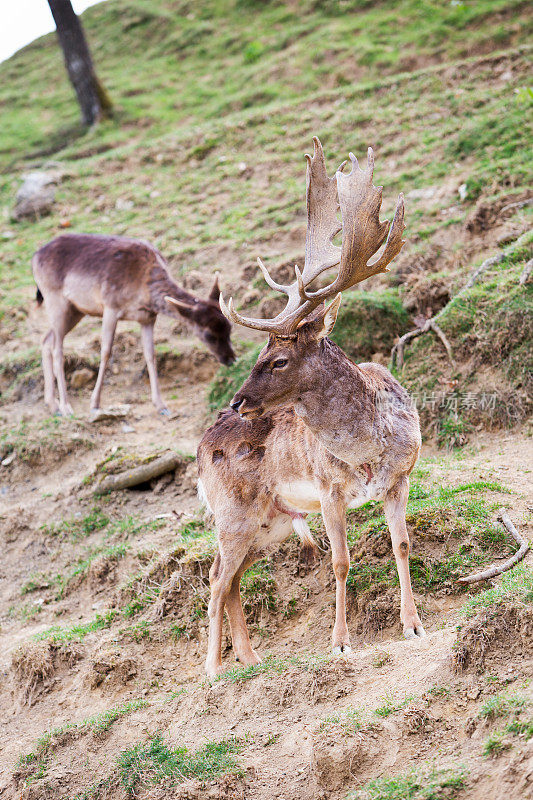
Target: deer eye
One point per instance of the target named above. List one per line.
(279, 363)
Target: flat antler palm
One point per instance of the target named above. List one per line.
(362, 236)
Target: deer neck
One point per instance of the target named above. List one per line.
(334, 403)
(160, 285)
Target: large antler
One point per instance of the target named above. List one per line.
(362, 236)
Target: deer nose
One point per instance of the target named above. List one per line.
(235, 406)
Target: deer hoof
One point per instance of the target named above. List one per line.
(213, 671)
(66, 411)
(250, 659)
(342, 650)
(164, 412)
(414, 633)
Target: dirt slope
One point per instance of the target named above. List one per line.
(103, 598)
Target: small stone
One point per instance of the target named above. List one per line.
(9, 459)
(463, 192)
(36, 196)
(113, 412)
(123, 205)
(251, 296)
(81, 377)
(127, 428)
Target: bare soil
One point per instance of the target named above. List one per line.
(294, 745)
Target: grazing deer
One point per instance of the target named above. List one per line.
(309, 430)
(115, 278)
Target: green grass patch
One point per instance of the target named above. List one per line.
(229, 380)
(79, 527)
(392, 704)
(348, 722)
(501, 705)
(420, 784)
(53, 436)
(274, 666)
(76, 633)
(515, 586)
(155, 762)
(489, 325)
(460, 518)
(369, 322)
(37, 761)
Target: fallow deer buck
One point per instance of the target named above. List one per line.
(115, 278)
(309, 430)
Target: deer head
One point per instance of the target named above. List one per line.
(209, 322)
(298, 333)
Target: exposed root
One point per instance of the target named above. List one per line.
(431, 324)
(495, 570)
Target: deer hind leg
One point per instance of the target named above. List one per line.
(48, 372)
(147, 337)
(334, 515)
(109, 326)
(394, 506)
(242, 646)
(64, 317)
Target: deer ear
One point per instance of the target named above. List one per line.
(330, 317)
(214, 294)
(184, 308)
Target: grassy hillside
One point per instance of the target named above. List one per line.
(216, 103)
(103, 599)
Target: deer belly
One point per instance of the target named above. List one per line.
(300, 495)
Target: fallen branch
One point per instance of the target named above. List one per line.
(431, 325)
(492, 572)
(137, 475)
(526, 272)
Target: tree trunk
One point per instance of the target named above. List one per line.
(92, 97)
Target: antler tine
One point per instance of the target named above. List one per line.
(278, 287)
(322, 221)
(394, 240)
(233, 316)
(363, 233)
(362, 236)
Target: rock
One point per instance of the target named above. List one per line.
(123, 205)
(463, 192)
(81, 377)
(193, 279)
(112, 412)
(251, 296)
(36, 196)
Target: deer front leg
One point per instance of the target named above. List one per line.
(147, 337)
(395, 505)
(244, 653)
(334, 515)
(109, 325)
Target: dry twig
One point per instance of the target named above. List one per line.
(493, 571)
(431, 324)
